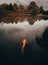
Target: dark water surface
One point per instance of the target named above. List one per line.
(11, 36)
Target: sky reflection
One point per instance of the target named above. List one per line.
(23, 30)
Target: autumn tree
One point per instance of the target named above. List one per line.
(15, 6)
(21, 7)
(32, 7)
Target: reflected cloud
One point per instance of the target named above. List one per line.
(23, 30)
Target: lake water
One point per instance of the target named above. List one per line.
(11, 36)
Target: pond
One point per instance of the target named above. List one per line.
(13, 35)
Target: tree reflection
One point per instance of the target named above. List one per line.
(21, 18)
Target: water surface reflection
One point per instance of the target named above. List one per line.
(11, 36)
(30, 18)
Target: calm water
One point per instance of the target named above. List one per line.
(11, 36)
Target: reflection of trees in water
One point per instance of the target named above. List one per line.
(43, 41)
(32, 19)
(21, 18)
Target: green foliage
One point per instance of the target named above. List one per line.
(10, 7)
(41, 10)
